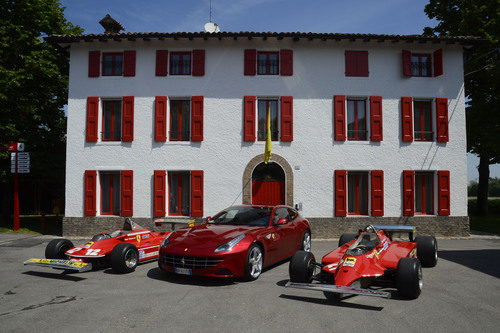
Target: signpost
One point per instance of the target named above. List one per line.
(19, 163)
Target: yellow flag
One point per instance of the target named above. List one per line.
(269, 145)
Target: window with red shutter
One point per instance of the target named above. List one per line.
(286, 118)
(407, 63)
(339, 118)
(286, 62)
(444, 192)
(376, 133)
(94, 63)
(249, 118)
(161, 118)
(198, 62)
(377, 192)
(127, 193)
(92, 117)
(442, 120)
(250, 62)
(159, 192)
(197, 193)
(438, 62)
(161, 62)
(408, 192)
(197, 118)
(129, 63)
(356, 63)
(407, 119)
(340, 192)
(128, 119)
(90, 193)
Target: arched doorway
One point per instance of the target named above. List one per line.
(268, 184)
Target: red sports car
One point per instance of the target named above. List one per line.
(237, 242)
(371, 257)
(123, 249)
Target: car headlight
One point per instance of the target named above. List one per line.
(229, 245)
(165, 241)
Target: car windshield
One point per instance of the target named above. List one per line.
(365, 242)
(252, 216)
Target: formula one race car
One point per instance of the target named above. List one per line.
(369, 258)
(123, 249)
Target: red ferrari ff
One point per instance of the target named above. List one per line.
(237, 242)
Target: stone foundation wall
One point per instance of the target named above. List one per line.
(322, 227)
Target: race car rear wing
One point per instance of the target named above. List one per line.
(397, 228)
(173, 223)
(338, 289)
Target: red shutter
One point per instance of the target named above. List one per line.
(92, 116)
(406, 63)
(442, 119)
(94, 63)
(90, 192)
(407, 119)
(339, 118)
(249, 118)
(159, 193)
(198, 62)
(161, 62)
(250, 62)
(286, 118)
(356, 63)
(350, 63)
(127, 195)
(286, 62)
(444, 193)
(129, 63)
(161, 118)
(340, 192)
(408, 192)
(197, 193)
(197, 118)
(376, 133)
(128, 119)
(438, 62)
(377, 190)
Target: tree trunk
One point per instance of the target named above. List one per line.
(482, 191)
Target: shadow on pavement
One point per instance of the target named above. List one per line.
(58, 276)
(324, 301)
(484, 261)
(158, 274)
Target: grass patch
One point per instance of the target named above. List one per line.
(33, 224)
(489, 224)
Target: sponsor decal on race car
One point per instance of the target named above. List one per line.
(350, 261)
(89, 244)
(145, 236)
(141, 254)
(57, 262)
(138, 237)
(332, 267)
(413, 253)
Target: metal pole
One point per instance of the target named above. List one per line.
(16, 197)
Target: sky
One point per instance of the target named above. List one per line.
(404, 17)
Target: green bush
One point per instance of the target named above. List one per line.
(493, 207)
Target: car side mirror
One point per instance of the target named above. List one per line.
(282, 221)
(209, 218)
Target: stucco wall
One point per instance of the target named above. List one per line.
(223, 155)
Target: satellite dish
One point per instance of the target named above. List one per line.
(212, 27)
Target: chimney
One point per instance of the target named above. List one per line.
(110, 25)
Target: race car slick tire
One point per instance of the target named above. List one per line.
(346, 238)
(306, 241)
(409, 277)
(56, 248)
(427, 250)
(301, 268)
(124, 258)
(253, 263)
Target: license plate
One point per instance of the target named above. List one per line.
(185, 271)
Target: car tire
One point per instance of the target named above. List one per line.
(427, 250)
(306, 241)
(254, 262)
(124, 258)
(346, 238)
(409, 277)
(56, 248)
(301, 268)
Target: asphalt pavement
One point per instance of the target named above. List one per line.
(460, 294)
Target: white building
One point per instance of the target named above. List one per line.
(367, 129)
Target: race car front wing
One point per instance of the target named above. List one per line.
(60, 264)
(338, 289)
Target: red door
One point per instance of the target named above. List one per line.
(268, 192)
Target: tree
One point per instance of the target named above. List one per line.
(482, 77)
(33, 88)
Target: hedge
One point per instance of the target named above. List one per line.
(493, 207)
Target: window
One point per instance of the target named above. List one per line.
(421, 64)
(357, 191)
(424, 193)
(110, 193)
(112, 64)
(179, 120)
(267, 63)
(265, 106)
(179, 193)
(112, 120)
(180, 63)
(356, 119)
(423, 120)
(356, 63)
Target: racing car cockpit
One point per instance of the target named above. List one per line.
(366, 241)
(128, 227)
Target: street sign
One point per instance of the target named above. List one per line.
(23, 156)
(20, 146)
(23, 162)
